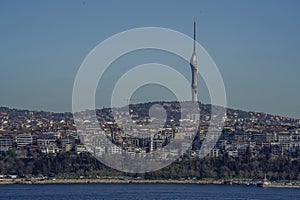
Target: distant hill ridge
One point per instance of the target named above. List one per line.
(261, 117)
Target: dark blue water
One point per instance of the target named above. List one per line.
(143, 191)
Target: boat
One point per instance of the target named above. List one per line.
(264, 183)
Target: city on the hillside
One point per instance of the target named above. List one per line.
(23, 131)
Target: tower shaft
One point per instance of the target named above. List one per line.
(194, 68)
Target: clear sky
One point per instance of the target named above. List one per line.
(255, 44)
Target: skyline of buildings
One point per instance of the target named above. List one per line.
(53, 133)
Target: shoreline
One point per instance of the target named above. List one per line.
(135, 181)
(108, 181)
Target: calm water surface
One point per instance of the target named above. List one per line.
(143, 191)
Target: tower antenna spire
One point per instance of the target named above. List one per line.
(194, 34)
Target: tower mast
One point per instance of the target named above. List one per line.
(194, 68)
(194, 35)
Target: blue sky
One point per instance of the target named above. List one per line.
(255, 44)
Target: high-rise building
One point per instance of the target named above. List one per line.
(194, 68)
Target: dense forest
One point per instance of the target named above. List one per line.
(73, 165)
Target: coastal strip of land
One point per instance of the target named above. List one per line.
(113, 181)
(139, 181)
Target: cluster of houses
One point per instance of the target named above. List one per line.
(56, 132)
(47, 142)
